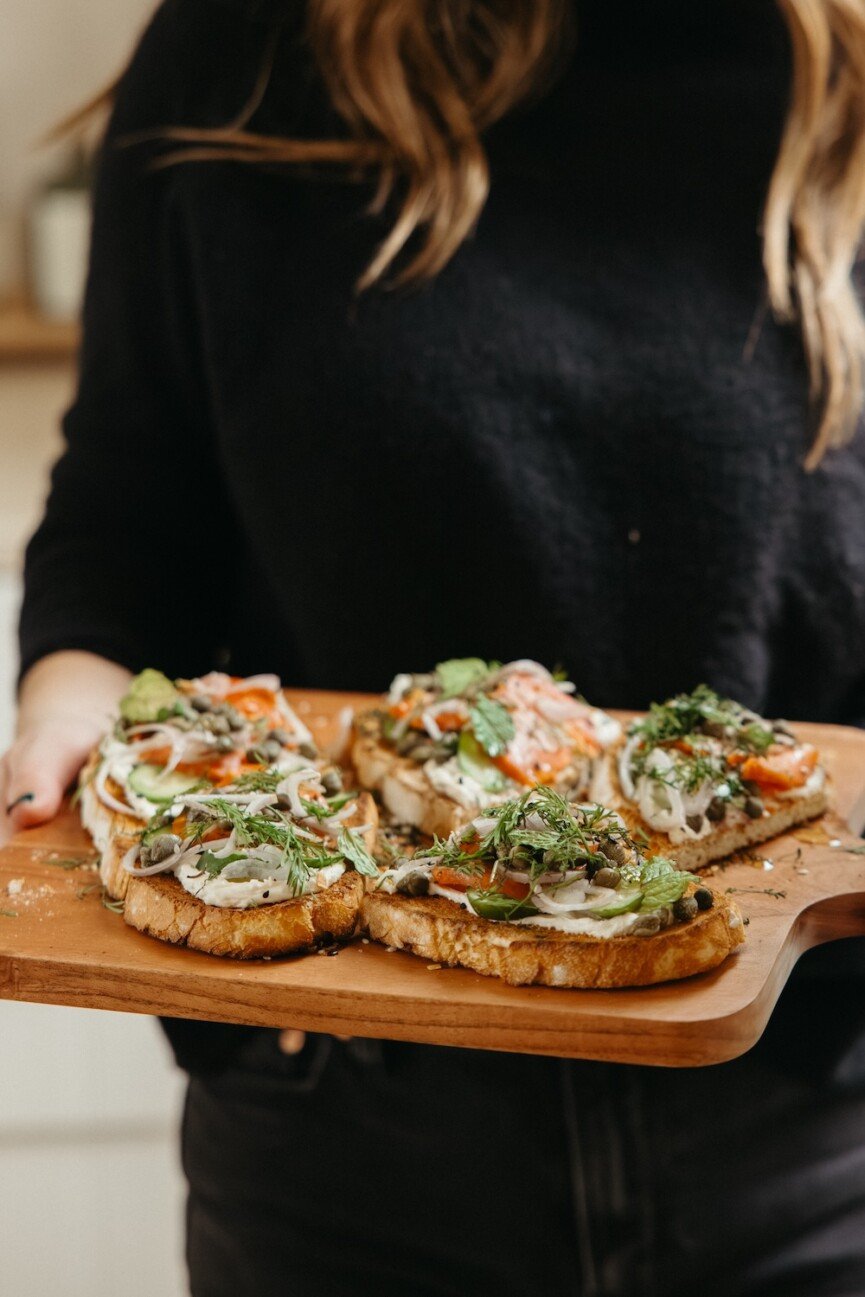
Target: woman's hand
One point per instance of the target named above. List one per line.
(66, 702)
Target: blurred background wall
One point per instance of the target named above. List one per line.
(92, 1193)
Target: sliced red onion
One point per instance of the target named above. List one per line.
(163, 867)
(583, 904)
(626, 778)
(290, 785)
(299, 731)
(483, 824)
(431, 728)
(263, 681)
(108, 799)
(525, 666)
(345, 720)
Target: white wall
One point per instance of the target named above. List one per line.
(89, 1101)
(54, 54)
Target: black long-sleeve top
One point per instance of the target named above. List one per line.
(564, 447)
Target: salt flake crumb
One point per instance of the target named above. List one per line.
(14, 886)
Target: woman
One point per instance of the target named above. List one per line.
(573, 431)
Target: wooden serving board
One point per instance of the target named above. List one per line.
(60, 945)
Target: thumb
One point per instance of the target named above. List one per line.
(39, 768)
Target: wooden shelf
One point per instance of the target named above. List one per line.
(26, 335)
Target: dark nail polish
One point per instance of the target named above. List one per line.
(25, 797)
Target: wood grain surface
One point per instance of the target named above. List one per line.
(60, 945)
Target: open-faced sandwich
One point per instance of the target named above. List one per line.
(701, 776)
(175, 737)
(448, 742)
(270, 864)
(539, 890)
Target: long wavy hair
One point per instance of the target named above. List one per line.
(416, 83)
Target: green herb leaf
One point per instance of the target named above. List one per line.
(757, 737)
(493, 725)
(665, 889)
(8, 914)
(72, 862)
(495, 905)
(458, 674)
(350, 845)
(656, 867)
(214, 865)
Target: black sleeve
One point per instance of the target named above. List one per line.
(124, 562)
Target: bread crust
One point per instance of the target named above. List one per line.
(161, 907)
(113, 834)
(438, 929)
(404, 789)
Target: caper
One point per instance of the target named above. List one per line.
(256, 756)
(423, 752)
(283, 801)
(307, 749)
(753, 807)
(647, 925)
(715, 729)
(685, 908)
(224, 743)
(216, 724)
(234, 718)
(694, 822)
(197, 815)
(332, 781)
(163, 846)
(408, 742)
(270, 749)
(751, 787)
(449, 742)
(704, 898)
(415, 883)
(551, 858)
(615, 851)
(200, 703)
(279, 736)
(716, 810)
(607, 877)
(665, 914)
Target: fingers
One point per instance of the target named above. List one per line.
(292, 1041)
(36, 772)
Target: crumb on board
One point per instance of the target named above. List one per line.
(14, 886)
(432, 968)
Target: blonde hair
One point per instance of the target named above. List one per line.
(418, 81)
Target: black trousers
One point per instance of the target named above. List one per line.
(403, 1169)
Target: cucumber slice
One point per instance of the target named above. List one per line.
(475, 763)
(153, 783)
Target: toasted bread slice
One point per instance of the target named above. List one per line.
(439, 929)
(161, 906)
(405, 791)
(733, 834)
